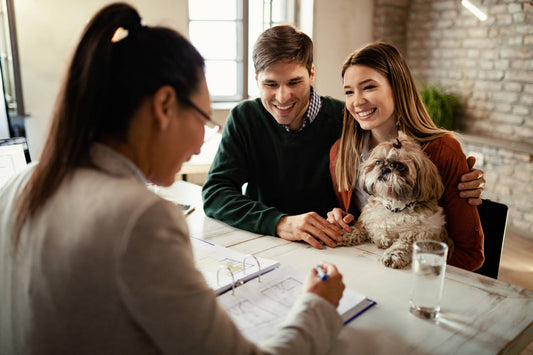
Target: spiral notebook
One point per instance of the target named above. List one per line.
(224, 268)
(257, 292)
(259, 308)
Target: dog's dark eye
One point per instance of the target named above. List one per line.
(400, 167)
(378, 162)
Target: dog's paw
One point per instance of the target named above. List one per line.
(351, 238)
(396, 258)
(358, 235)
(383, 242)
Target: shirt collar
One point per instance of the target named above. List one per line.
(112, 162)
(315, 103)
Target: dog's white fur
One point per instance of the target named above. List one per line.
(405, 187)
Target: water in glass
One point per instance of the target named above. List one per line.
(428, 280)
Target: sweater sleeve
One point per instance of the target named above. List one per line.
(222, 192)
(171, 303)
(462, 219)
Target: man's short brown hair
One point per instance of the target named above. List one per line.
(283, 43)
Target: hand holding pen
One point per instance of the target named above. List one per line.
(325, 281)
(321, 273)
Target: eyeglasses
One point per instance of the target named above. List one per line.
(215, 127)
(210, 121)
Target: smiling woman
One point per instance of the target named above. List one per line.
(369, 99)
(382, 102)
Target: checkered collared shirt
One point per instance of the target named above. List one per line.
(315, 103)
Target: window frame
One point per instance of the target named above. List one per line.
(243, 57)
(10, 63)
(241, 60)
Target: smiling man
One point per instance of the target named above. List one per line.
(279, 145)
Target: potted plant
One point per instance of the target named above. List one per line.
(440, 105)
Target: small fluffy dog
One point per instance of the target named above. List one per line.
(405, 187)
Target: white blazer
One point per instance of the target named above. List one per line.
(106, 267)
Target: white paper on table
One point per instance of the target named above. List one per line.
(12, 160)
(259, 308)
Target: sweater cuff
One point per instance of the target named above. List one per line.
(271, 221)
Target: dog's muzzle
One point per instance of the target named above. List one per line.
(384, 173)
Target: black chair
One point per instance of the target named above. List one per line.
(493, 216)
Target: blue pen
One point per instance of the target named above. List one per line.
(321, 273)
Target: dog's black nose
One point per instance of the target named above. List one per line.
(385, 171)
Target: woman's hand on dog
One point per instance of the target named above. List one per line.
(310, 228)
(330, 289)
(341, 218)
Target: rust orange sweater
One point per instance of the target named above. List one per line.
(462, 219)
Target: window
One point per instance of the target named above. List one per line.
(224, 32)
(9, 60)
(216, 28)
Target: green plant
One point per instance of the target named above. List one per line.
(440, 105)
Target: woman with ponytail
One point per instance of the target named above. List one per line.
(91, 261)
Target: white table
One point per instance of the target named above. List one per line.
(479, 315)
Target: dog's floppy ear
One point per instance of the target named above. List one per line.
(428, 184)
(428, 181)
(364, 169)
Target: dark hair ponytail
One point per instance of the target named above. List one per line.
(106, 82)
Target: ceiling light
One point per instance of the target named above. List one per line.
(474, 9)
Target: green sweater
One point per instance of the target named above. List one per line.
(287, 172)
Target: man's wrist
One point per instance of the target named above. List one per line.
(279, 225)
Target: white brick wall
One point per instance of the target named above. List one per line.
(489, 66)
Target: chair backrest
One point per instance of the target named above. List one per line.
(493, 216)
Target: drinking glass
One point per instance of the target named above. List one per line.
(428, 269)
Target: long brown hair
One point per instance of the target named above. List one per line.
(412, 116)
(107, 80)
